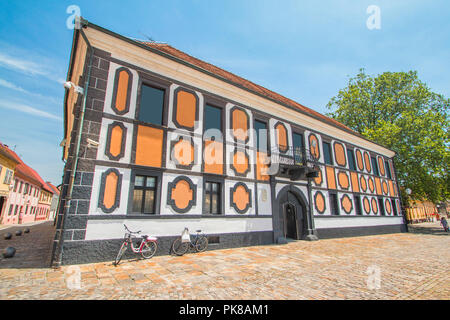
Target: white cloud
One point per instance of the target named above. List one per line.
(28, 67)
(27, 109)
(10, 85)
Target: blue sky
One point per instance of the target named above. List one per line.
(305, 50)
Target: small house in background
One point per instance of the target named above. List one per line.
(55, 200)
(8, 165)
(29, 196)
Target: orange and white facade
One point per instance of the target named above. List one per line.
(182, 143)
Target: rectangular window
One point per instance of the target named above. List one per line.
(212, 203)
(334, 206)
(358, 205)
(298, 148)
(381, 206)
(152, 105)
(388, 169)
(15, 185)
(262, 141)
(16, 209)
(375, 167)
(351, 159)
(144, 194)
(20, 188)
(394, 207)
(213, 118)
(11, 207)
(8, 176)
(25, 190)
(327, 153)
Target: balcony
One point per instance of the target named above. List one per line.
(301, 167)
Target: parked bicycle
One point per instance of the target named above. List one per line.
(199, 242)
(146, 248)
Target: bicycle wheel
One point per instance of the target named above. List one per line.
(149, 249)
(122, 250)
(201, 244)
(180, 248)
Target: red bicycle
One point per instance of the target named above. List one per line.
(147, 247)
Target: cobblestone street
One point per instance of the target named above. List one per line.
(394, 266)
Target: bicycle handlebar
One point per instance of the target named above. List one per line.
(130, 230)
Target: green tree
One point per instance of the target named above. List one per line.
(398, 111)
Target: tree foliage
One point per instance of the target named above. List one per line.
(398, 111)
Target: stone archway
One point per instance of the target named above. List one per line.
(290, 218)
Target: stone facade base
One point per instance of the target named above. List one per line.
(78, 252)
(359, 231)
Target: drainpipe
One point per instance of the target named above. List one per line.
(311, 236)
(405, 222)
(57, 257)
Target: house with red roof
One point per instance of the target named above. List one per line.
(29, 198)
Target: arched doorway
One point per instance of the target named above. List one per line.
(290, 220)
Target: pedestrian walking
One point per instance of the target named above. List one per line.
(444, 223)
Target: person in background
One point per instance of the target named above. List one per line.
(444, 223)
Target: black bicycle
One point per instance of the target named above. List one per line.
(199, 242)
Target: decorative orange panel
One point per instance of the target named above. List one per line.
(240, 123)
(391, 188)
(241, 198)
(339, 153)
(319, 179)
(367, 161)
(241, 162)
(186, 109)
(149, 145)
(282, 137)
(319, 201)
(213, 157)
(374, 206)
(331, 179)
(314, 146)
(385, 187)
(121, 104)
(363, 182)
(366, 205)
(378, 186)
(359, 160)
(116, 141)
(182, 194)
(110, 191)
(387, 205)
(346, 203)
(262, 166)
(343, 180)
(381, 165)
(355, 184)
(371, 185)
(183, 152)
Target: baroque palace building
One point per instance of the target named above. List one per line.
(160, 141)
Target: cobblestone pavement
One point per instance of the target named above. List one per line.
(33, 249)
(409, 266)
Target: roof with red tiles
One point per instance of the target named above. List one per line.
(55, 189)
(241, 81)
(24, 171)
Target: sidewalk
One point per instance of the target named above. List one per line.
(391, 266)
(3, 227)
